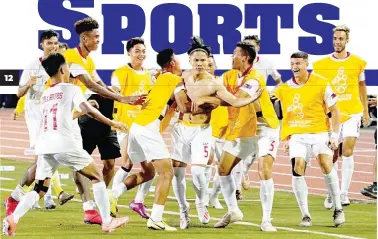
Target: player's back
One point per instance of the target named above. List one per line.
(57, 133)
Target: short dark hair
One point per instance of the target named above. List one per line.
(253, 38)
(48, 34)
(197, 44)
(63, 45)
(52, 63)
(300, 54)
(248, 49)
(86, 25)
(164, 57)
(134, 41)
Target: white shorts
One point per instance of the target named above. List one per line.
(218, 145)
(48, 163)
(34, 127)
(146, 143)
(192, 144)
(267, 142)
(241, 147)
(121, 136)
(350, 128)
(303, 145)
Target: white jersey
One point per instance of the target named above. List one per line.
(58, 133)
(266, 67)
(33, 95)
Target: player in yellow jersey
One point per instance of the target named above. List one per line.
(346, 73)
(93, 133)
(304, 100)
(131, 79)
(145, 143)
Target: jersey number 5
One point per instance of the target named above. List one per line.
(47, 113)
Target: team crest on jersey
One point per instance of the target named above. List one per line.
(340, 81)
(296, 107)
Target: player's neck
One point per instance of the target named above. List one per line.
(55, 81)
(83, 50)
(302, 78)
(340, 55)
(245, 69)
(137, 67)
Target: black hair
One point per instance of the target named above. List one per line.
(86, 25)
(48, 34)
(248, 49)
(197, 44)
(52, 63)
(134, 41)
(300, 54)
(164, 57)
(254, 38)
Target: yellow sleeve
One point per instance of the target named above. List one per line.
(20, 105)
(362, 65)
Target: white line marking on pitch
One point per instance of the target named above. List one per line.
(239, 223)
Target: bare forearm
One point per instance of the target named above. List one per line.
(363, 98)
(22, 90)
(335, 119)
(99, 89)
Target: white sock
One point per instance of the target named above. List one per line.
(89, 205)
(216, 184)
(228, 188)
(347, 172)
(102, 200)
(237, 173)
(143, 189)
(266, 197)
(179, 186)
(301, 193)
(25, 204)
(336, 166)
(157, 213)
(119, 177)
(118, 190)
(18, 193)
(199, 182)
(332, 183)
(48, 196)
(208, 172)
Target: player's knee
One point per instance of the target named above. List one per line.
(347, 152)
(297, 168)
(40, 187)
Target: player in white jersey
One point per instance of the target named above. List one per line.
(57, 145)
(32, 85)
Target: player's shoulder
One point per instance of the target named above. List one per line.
(319, 78)
(356, 57)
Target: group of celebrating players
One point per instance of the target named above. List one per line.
(228, 121)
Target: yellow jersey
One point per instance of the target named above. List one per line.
(156, 102)
(130, 83)
(219, 120)
(241, 121)
(304, 106)
(343, 75)
(266, 105)
(77, 64)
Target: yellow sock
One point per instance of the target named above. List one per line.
(55, 182)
